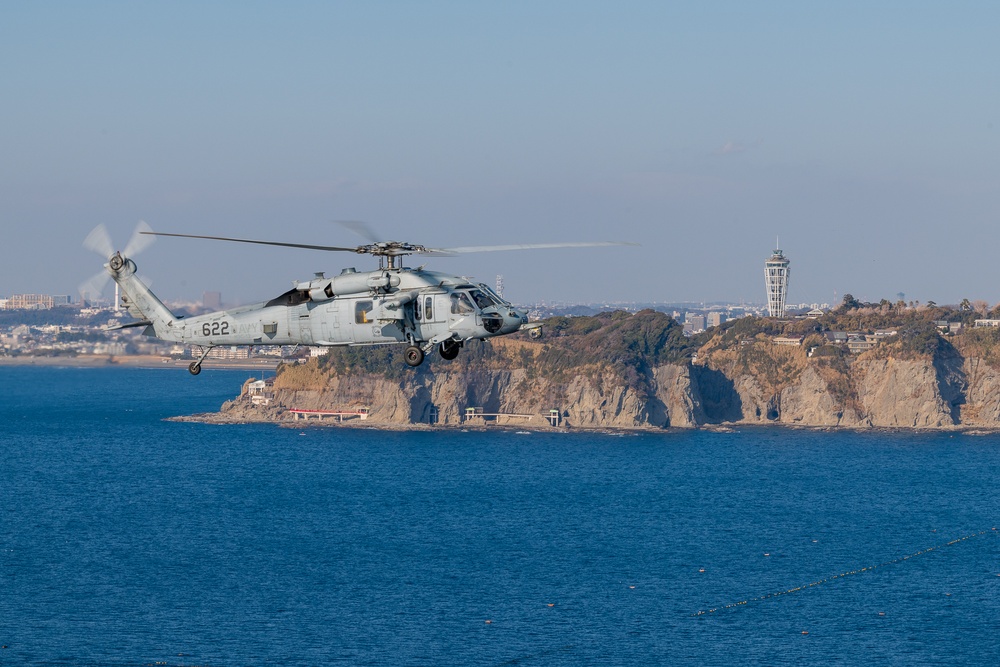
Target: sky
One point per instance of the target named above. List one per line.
(864, 135)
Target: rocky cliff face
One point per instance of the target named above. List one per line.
(756, 383)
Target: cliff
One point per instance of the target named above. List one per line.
(636, 371)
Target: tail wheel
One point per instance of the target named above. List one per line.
(449, 350)
(413, 356)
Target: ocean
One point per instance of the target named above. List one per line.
(129, 540)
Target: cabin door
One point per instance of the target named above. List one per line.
(305, 328)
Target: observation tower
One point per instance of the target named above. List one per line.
(776, 281)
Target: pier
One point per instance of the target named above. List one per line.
(474, 415)
(320, 415)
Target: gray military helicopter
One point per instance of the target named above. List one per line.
(395, 304)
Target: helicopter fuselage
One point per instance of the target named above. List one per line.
(420, 308)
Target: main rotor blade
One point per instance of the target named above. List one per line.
(99, 241)
(444, 252)
(138, 242)
(360, 228)
(277, 243)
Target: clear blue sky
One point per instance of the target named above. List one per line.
(866, 135)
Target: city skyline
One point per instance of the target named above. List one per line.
(865, 135)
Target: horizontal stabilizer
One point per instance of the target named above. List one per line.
(140, 323)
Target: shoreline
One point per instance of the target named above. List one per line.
(221, 419)
(138, 361)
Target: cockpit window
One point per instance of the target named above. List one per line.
(493, 295)
(460, 304)
(482, 299)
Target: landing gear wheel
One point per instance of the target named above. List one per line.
(449, 350)
(194, 368)
(413, 356)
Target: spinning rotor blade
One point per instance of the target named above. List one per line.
(99, 241)
(94, 286)
(277, 243)
(360, 228)
(138, 242)
(445, 252)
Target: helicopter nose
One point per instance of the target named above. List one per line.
(512, 322)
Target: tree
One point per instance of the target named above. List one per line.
(850, 303)
(965, 305)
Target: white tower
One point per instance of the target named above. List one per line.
(776, 280)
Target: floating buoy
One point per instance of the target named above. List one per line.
(488, 621)
(767, 554)
(805, 632)
(881, 613)
(552, 604)
(702, 570)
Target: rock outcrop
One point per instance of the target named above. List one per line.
(752, 382)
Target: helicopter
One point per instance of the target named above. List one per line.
(424, 310)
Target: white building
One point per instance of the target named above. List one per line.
(776, 281)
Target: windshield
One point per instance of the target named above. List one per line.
(482, 299)
(493, 295)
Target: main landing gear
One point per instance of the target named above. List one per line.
(195, 366)
(449, 349)
(413, 356)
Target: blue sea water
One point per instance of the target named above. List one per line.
(129, 540)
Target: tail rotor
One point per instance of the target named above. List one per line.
(99, 241)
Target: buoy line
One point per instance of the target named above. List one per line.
(843, 574)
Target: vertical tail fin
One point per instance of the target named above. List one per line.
(141, 301)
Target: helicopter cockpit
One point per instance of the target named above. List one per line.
(483, 302)
(460, 304)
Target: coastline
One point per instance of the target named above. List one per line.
(137, 361)
(222, 419)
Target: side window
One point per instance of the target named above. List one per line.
(416, 309)
(361, 310)
(429, 309)
(460, 304)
